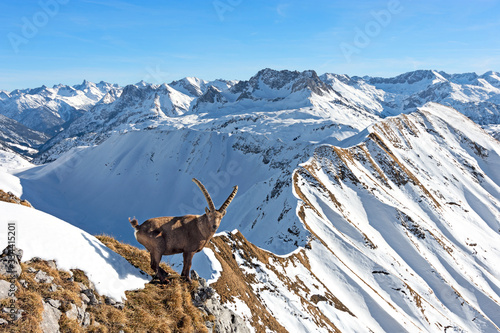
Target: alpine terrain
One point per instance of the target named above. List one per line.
(365, 204)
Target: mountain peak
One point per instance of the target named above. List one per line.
(410, 77)
(268, 83)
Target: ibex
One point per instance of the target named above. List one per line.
(186, 234)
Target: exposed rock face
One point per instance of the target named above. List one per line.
(4, 289)
(50, 318)
(10, 197)
(10, 261)
(226, 320)
(42, 277)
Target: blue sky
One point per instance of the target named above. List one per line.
(65, 41)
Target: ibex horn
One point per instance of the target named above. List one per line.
(211, 205)
(229, 199)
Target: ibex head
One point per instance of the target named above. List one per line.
(215, 215)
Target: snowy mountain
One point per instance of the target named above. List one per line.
(475, 96)
(267, 94)
(49, 110)
(359, 209)
(17, 137)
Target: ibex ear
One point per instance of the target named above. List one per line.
(207, 211)
(223, 213)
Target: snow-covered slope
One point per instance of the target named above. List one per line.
(41, 235)
(409, 214)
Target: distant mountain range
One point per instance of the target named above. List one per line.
(63, 113)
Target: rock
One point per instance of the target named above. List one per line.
(16, 315)
(12, 250)
(50, 319)
(5, 289)
(52, 264)
(23, 283)
(81, 286)
(10, 261)
(54, 303)
(33, 260)
(42, 277)
(203, 292)
(91, 296)
(3, 321)
(226, 320)
(109, 301)
(91, 285)
(76, 313)
(31, 270)
(86, 319)
(119, 305)
(84, 298)
(53, 287)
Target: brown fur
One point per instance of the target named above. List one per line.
(186, 234)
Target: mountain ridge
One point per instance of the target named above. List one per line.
(358, 208)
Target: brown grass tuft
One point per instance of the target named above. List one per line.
(156, 308)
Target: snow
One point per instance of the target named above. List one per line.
(10, 162)
(397, 198)
(452, 266)
(41, 235)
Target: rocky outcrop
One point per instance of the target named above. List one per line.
(10, 261)
(10, 197)
(226, 320)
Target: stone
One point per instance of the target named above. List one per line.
(33, 260)
(53, 287)
(91, 296)
(54, 303)
(109, 301)
(3, 321)
(226, 320)
(42, 277)
(84, 298)
(82, 286)
(203, 292)
(50, 319)
(91, 285)
(12, 250)
(86, 320)
(76, 313)
(5, 289)
(52, 264)
(10, 261)
(23, 283)
(119, 305)
(16, 315)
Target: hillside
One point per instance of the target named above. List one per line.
(395, 227)
(363, 205)
(97, 292)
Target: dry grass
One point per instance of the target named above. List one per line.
(156, 308)
(9, 197)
